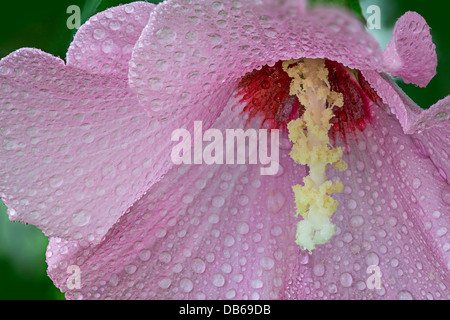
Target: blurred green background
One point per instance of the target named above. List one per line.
(42, 24)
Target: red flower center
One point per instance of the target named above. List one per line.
(266, 92)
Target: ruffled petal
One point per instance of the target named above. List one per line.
(433, 144)
(193, 55)
(76, 152)
(391, 216)
(411, 53)
(202, 232)
(412, 118)
(103, 45)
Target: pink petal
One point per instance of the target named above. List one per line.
(392, 215)
(194, 55)
(103, 45)
(411, 54)
(202, 232)
(75, 150)
(410, 115)
(433, 143)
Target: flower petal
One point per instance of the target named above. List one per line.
(202, 232)
(391, 216)
(194, 55)
(412, 118)
(75, 150)
(433, 143)
(103, 45)
(430, 127)
(411, 53)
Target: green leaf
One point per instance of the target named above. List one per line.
(353, 5)
(89, 9)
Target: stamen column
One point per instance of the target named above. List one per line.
(312, 148)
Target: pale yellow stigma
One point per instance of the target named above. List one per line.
(312, 148)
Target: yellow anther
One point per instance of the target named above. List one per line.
(312, 148)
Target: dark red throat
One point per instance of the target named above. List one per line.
(265, 93)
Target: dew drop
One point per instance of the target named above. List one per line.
(218, 280)
(276, 231)
(198, 266)
(165, 257)
(346, 280)
(360, 165)
(275, 201)
(229, 240)
(243, 228)
(107, 46)
(145, 255)
(218, 201)
(356, 221)
(166, 35)
(372, 259)
(230, 294)
(214, 218)
(99, 33)
(404, 295)
(319, 269)
(351, 204)
(267, 263)
(215, 38)
(164, 283)
(186, 285)
(226, 268)
(243, 200)
(81, 218)
(56, 181)
(114, 280)
(130, 269)
(332, 288)
(441, 116)
(257, 284)
(416, 183)
(155, 84)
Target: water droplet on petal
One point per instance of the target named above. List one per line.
(164, 283)
(404, 295)
(416, 183)
(319, 269)
(275, 201)
(81, 218)
(114, 280)
(346, 280)
(130, 269)
(356, 221)
(351, 204)
(198, 266)
(99, 33)
(372, 259)
(186, 285)
(166, 35)
(107, 46)
(218, 280)
(144, 255)
(267, 263)
(56, 181)
(243, 228)
(218, 201)
(230, 294)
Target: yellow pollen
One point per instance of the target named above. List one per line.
(311, 147)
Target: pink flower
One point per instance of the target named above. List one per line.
(86, 157)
